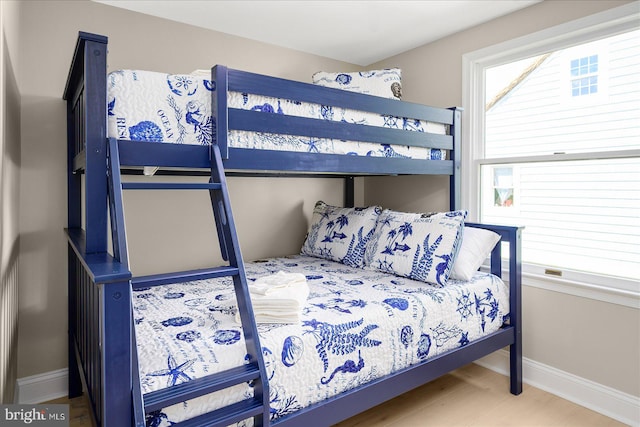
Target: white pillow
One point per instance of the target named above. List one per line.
(386, 83)
(340, 234)
(477, 244)
(201, 73)
(419, 246)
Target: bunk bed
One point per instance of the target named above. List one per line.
(106, 327)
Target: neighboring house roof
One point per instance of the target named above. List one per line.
(515, 82)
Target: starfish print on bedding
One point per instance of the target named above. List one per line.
(174, 372)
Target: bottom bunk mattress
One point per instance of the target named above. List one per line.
(357, 325)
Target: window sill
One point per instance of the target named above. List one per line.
(627, 298)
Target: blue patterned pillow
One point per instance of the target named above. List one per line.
(419, 246)
(386, 83)
(340, 234)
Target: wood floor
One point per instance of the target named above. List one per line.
(471, 396)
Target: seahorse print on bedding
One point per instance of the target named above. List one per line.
(346, 367)
(336, 340)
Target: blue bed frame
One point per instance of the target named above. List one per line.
(101, 338)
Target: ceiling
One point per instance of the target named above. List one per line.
(358, 32)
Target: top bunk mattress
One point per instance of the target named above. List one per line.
(173, 108)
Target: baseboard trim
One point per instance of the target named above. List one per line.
(613, 403)
(42, 387)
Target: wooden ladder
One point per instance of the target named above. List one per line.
(253, 371)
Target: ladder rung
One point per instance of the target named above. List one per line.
(226, 416)
(183, 276)
(199, 387)
(171, 186)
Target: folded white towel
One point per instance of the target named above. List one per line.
(278, 298)
(273, 283)
(267, 317)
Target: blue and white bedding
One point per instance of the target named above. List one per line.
(358, 325)
(157, 107)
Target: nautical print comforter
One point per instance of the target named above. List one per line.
(157, 107)
(358, 325)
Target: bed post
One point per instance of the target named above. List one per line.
(86, 80)
(220, 81)
(515, 302)
(116, 374)
(513, 236)
(95, 87)
(349, 192)
(455, 179)
(85, 94)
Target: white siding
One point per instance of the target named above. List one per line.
(580, 215)
(540, 117)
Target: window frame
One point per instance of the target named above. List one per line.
(589, 29)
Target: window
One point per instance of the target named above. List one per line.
(584, 75)
(557, 148)
(502, 186)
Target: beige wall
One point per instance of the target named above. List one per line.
(591, 339)
(9, 198)
(271, 214)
